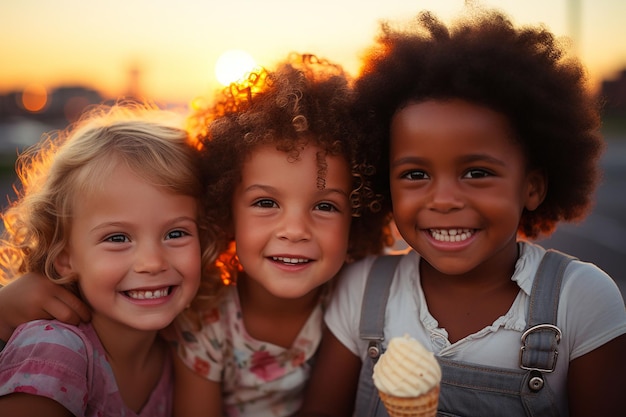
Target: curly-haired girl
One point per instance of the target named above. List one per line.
(484, 134)
(294, 196)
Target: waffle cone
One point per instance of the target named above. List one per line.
(423, 406)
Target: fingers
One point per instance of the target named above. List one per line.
(75, 304)
(66, 307)
(34, 296)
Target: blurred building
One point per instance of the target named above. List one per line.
(613, 94)
(27, 115)
(60, 106)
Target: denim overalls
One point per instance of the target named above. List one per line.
(469, 389)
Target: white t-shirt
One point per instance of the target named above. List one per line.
(591, 312)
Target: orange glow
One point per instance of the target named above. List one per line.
(178, 63)
(198, 103)
(229, 265)
(34, 98)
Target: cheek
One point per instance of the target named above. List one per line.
(191, 261)
(194, 276)
(400, 189)
(346, 225)
(336, 238)
(404, 203)
(248, 239)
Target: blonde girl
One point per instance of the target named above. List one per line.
(109, 209)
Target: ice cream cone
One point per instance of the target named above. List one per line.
(423, 406)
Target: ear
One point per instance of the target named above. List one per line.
(62, 264)
(536, 189)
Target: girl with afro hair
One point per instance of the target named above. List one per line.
(484, 135)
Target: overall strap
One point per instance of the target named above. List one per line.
(540, 340)
(371, 329)
(379, 279)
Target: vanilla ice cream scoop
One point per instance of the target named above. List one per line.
(406, 369)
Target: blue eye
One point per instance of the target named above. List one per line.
(176, 234)
(119, 238)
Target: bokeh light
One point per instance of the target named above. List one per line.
(34, 98)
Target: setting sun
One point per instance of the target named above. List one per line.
(233, 65)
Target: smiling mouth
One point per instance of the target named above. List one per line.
(451, 235)
(290, 261)
(149, 294)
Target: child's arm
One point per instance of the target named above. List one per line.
(194, 395)
(595, 381)
(27, 405)
(33, 297)
(331, 391)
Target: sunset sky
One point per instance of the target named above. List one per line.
(175, 44)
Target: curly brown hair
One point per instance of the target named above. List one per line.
(522, 73)
(304, 100)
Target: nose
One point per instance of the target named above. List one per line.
(294, 226)
(445, 195)
(150, 258)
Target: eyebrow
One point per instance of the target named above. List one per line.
(334, 191)
(465, 159)
(481, 157)
(127, 224)
(269, 188)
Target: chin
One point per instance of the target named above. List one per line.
(293, 294)
(154, 324)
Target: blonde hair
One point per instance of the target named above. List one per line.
(65, 165)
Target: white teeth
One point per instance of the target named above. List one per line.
(148, 295)
(289, 260)
(451, 235)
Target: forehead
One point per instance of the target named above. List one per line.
(456, 129)
(449, 115)
(308, 161)
(448, 123)
(126, 195)
(300, 155)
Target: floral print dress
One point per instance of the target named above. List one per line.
(258, 378)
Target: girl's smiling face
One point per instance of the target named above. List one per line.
(459, 184)
(135, 251)
(292, 227)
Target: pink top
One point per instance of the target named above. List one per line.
(68, 364)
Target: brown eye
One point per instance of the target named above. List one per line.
(326, 207)
(477, 173)
(415, 175)
(265, 203)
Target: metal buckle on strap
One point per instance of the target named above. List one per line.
(540, 327)
(374, 350)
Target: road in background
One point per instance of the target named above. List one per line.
(601, 238)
